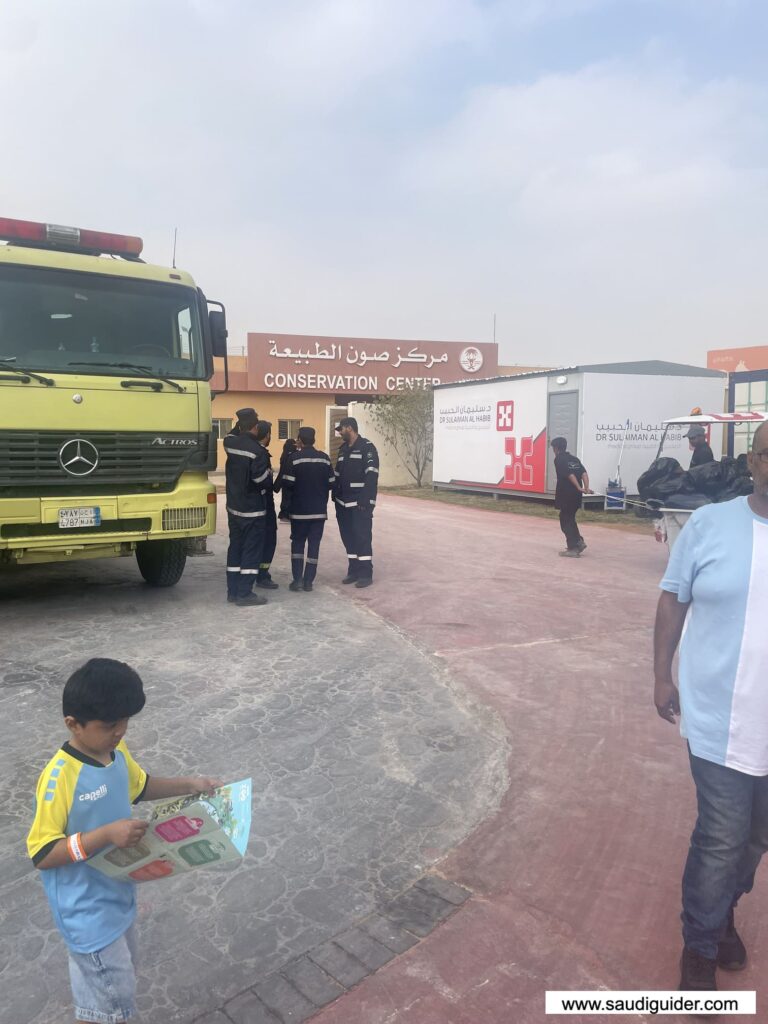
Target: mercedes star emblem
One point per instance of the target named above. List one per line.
(78, 457)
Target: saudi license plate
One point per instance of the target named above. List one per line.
(74, 518)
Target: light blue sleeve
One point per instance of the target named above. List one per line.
(683, 561)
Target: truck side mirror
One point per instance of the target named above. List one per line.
(217, 319)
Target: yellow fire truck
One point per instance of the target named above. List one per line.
(105, 405)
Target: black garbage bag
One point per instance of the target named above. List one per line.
(739, 488)
(730, 470)
(659, 469)
(680, 483)
(708, 478)
(687, 501)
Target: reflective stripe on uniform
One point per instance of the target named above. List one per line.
(371, 469)
(361, 484)
(298, 462)
(291, 478)
(237, 451)
(355, 455)
(365, 558)
(319, 515)
(351, 556)
(346, 504)
(233, 568)
(248, 572)
(311, 561)
(264, 475)
(300, 557)
(246, 515)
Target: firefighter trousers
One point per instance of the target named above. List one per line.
(356, 529)
(307, 532)
(245, 553)
(270, 542)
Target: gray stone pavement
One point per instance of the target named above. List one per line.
(368, 764)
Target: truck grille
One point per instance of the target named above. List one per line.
(184, 518)
(127, 462)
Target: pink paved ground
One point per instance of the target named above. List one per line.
(577, 877)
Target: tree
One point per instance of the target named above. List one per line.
(405, 421)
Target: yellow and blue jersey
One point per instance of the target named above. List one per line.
(77, 794)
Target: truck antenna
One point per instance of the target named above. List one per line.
(175, 233)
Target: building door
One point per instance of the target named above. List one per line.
(747, 392)
(333, 413)
(562, 421)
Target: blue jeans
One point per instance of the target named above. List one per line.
(104, 983)
(730, 837)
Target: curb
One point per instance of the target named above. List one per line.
(301, 988)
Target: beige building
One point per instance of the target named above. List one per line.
(304, 380)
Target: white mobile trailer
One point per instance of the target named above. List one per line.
(493, 435)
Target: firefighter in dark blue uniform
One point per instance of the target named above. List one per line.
(264, 580)
(307, 482)
(357, 481)
(248, 476)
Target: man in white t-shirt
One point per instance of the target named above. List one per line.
(716, 586)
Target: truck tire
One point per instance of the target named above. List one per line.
(161, 562)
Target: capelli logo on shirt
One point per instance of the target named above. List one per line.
(95, 794)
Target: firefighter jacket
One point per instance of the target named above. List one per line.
(248, 475)
(357, 475)
(307, 482)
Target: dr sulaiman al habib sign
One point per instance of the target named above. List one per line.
(375, 366)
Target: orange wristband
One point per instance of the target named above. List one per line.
(76, 849)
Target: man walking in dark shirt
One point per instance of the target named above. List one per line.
(572, 484)
(702, 453)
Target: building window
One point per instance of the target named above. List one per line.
(222, 427)
(287, 428)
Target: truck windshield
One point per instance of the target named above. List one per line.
(53, 319)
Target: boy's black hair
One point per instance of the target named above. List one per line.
(307, 436)
(348, 421)
(560, 444)
(103, 690)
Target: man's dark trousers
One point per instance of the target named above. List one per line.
(270, 541)
(246, 546)
(307, 532)
(356, 529)
(570, 529)
(730, 837)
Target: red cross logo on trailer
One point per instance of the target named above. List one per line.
(505, 415)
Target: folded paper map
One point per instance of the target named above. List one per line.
(185, 833)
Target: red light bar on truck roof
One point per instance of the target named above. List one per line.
(56, 236)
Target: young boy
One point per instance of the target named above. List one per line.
(84, 799)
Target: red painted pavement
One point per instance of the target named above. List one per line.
(576, 879)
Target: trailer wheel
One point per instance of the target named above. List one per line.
(161, 562)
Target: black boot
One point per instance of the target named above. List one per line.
(731, 952)
(697, 972)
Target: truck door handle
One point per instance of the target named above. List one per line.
(155, 385)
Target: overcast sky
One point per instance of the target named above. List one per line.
(595, 172)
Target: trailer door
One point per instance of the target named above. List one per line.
(562, 421)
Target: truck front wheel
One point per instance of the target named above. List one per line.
(161, 562)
